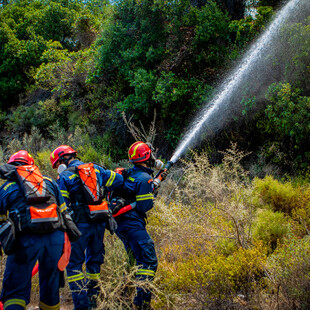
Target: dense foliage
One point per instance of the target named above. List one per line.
(80, 64)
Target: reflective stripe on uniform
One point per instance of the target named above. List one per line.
(145, 272)
(44, 306)
(76, 277)
(63, 207)
(3, 217)
(144, 197)
(111, 179)
(11, 302)
(64, 193)
(93, 276)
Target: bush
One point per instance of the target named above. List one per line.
(289, 274)
(280, 196)
(270, 227)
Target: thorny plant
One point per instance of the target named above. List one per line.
(140, 134)
(223, 191)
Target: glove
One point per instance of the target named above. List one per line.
(160, 178)
(164, 175)
(116, 204)
(111, 225)
(7, 237)
(156, 183)
(73, 232)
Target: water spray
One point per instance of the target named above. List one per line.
(231, 85)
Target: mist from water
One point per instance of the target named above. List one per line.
(251, 78)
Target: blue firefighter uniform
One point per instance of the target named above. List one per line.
(89, 247)
(31, 247)
(131, 228)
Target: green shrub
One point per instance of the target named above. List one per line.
(270, 227)
(281, 196)
(289, 274)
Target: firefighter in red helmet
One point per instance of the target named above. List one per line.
(33, 231)
(138, 187)
(82, 186)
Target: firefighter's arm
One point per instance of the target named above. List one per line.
(61, 182)
(70, 227)
(4, 200)
(111, 179)
(3, 210)
(144, 195)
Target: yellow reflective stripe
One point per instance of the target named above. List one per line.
(146, 272)
(10, 302)
(135, 149)
(3, 217)
(63, 207)
(93, 276)
(76, 277)
(64, 193)
(131, 179)
(147, 198)
(44, 306)
(47, 178)
(111, 179)
(144, 197)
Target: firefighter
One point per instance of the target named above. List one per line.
(76, 188)
(32, 237)
(138, 187)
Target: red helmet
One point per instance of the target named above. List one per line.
(139, 152)
(59, 152)
(21, 156)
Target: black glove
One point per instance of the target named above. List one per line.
(164, 175)
(7, 237)
(116, 204)
(111, 225)
(73, 232)
(157, 181)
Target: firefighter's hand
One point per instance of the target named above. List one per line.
(116, 204)
(73, 232)
(164, 175)
(156, 183)
(111, 225)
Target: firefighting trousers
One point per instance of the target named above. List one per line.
(140, 246)
(46, 249)
(89, 249)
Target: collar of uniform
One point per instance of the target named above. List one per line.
(141, 168)
(75, 162)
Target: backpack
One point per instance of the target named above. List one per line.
(96, 207)
(42, 214)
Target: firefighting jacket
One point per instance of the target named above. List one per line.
(12, 200)
(138, 187)
(71, 188)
